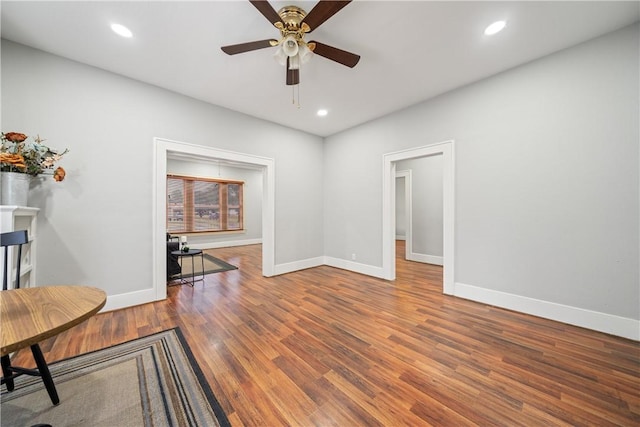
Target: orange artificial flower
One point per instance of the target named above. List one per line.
(59, 174)
(15, 160)
(35, 158)
(15, 136)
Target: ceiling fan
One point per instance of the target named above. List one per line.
(294, 23)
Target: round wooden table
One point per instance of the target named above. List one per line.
(30, 315)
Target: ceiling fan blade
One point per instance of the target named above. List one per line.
(322, 11)
(267, 10)
(333, 53)
(247, 47)
(293, 76)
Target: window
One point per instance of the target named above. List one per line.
(203, 205)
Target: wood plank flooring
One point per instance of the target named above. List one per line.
(326, 347)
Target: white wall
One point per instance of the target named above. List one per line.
(252, 204)
(95, 227)
(547, 184)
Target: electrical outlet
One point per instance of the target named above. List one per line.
(353, 257)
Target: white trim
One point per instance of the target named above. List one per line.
(445, 148)
(158, 206)
(594, 320)
(129, 299)
(408, 209)
(161, 147)
(298, 265)
(342, 264)
(424, 258)
(225, 244)
(355, 267)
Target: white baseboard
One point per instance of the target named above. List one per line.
(399, 237)
(602, 322)
(427, 259)
(298, 265)
(356, 267)
(331, 262)
(225, 244)
(115, 302)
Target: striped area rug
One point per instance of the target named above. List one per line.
(210, 264)
(150, 381)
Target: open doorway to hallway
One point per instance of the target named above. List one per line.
(419, 209)
(390, 164)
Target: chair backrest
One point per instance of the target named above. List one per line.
(12, 238)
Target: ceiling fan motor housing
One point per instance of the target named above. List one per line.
(292, 16)
(292, 28)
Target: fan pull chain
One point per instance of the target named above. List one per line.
(299, 67)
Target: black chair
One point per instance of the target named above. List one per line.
(12, 238)
(19, 238)
(173, 266)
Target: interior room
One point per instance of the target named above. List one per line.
(455, 241)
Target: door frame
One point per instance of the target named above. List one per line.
(163, 147)
(446, 148)
(408, 212)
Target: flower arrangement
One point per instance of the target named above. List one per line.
(32, 158)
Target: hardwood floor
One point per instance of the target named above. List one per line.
(325, 347)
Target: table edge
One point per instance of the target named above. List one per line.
(48, 334)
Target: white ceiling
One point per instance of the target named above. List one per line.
(411, 51)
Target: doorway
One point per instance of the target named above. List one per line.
(404, 209)
(446, 149)
(420, 201)
(164, 148)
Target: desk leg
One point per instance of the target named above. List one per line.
(182, 280)
(193, 271)
(44, 372)
(6, 371)
(193, 267)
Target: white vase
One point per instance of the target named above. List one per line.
(14, 188)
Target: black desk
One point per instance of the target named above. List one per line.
(191, 253)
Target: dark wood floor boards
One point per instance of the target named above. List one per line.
(327, 347)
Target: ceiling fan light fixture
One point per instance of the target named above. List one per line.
(304, 53)
(280, 56)
(290, 46)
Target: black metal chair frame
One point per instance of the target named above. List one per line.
(173, 265)
(12, 238)
(19, 238)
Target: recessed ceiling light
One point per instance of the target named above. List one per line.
(121, 30)
(322, 113)
(494, 28)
